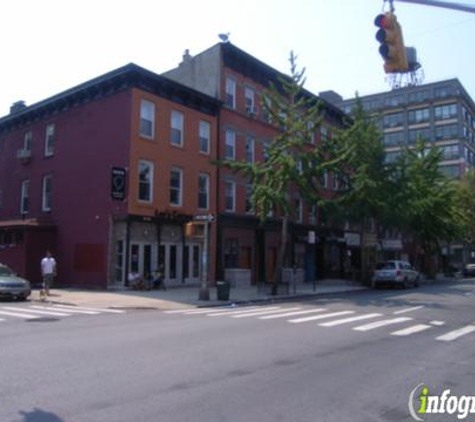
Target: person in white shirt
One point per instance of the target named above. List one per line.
(48, 271)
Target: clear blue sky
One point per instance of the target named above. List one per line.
(51, 45)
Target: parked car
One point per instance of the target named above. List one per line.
(396, 272)
(13, 286)
(469, 270)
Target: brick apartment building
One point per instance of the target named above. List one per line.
(106, 175)
(246, 250)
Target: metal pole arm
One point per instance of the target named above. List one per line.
(445, 4)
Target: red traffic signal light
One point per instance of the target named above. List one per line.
(392, 47)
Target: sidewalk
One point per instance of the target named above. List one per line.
(183, 297)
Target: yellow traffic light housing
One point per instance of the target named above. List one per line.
(392, 47)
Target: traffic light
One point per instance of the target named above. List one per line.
(392, 44)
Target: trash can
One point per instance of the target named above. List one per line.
(222, 290)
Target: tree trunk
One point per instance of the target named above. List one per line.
(279, 265)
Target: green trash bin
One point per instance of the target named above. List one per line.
(222, 289)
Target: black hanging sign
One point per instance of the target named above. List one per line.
(118, 183)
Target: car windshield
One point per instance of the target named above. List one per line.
(386, 266)
(5, 271)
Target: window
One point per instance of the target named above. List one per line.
(49, 140)
(393, 120)
(446, 132)
(415, 134)
(203, 191)
(312, 214)
(448, 111)
(177, 128)
(392, 156)
(231, 247)
(176, 186)
(450, 152)
(147, 119)
(250, 107)
(248, 205)
(46, 194)
(311, 132)
(230, 196)
(230, 150)
(25, 197)
(231, 92)
(265, 150)
(250, 142)
(324, 133)
(205, 137)
(119, 260)
(393, 138)
(298, 210)
(443, 91)
(27, 141)
(419, 97)
(324, 179)
(145, 181)
(452, 172)
(420, 115)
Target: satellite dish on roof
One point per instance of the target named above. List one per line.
(224, 37)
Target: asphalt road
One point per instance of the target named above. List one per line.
(274, 362)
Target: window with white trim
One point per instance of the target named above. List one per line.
(230, 148)
(46, 193)
(205, 136)
(176, 186)
(145, 170)
(25, 197)
(230, 196)
(250, 103)
(177, 128)
(49, 139)
(27, 140)
(147, 119)
(250, 144)
(248, 205)
(230, 92)
(203, 191)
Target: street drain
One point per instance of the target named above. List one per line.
(43, 320)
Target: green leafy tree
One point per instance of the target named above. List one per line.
(293, 164)
(466, 205)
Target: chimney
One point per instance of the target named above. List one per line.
(186, 57)
(17, 106)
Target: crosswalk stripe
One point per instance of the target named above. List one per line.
(179, 311)
(34, 311)
(244, 311)
(258, 313)
(348, 320)
(84, 308)
(287, 314)
(382, 323)
(403, 311)
(219, 310)
(437, 323)
(316, 317)
(19, 315)
(411, 330)
(452, 335)
(74, 311)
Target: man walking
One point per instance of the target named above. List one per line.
(48, 271)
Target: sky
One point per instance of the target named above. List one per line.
(49, 46)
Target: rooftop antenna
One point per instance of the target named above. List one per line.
(224, 37)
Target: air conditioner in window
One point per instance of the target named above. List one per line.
(251, 110)
(23, 154)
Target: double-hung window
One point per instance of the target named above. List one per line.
(176, 181)
(231, 92)
(250, 104)
(49, 140)
(203, 191)
(230, 150)
(205, 137)
(27, 140)
(46, 193)
(230, 196)
(25, 197)
(147, 119)
(250, 148)
(177, 128)
(145, 181)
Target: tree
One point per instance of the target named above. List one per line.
(466, 205)
(293, 163)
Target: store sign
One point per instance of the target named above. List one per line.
(352, 239)
(392, 244)
(118, 183)
(312, 238)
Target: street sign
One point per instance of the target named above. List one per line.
(204, 217)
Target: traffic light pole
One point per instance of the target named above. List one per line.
(444, 4)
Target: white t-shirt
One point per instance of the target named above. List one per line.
(48, 265)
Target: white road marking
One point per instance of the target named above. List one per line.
(178, 311)
(438, 323)
(287, 314)
(74, 311)
(348, 320)
(244, 311)
(258, 313)
(19, 315)
(403, 311)
(84, 308)
(33, 311)
(382, 323)
(452, 335)
(316, 317)
(411, 330)
(217, 310)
